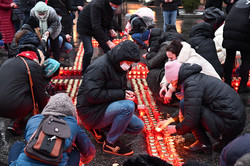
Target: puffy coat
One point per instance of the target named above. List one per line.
(95, 19)
(26, 6)
(155, 34)
(14, 83)
(235, 150)
(65, 8)
(201, 39)
(54, 25)
(137, 24)
(236, 30)
(211, 102)
(6, 25)
(104, 82)
(78, 136)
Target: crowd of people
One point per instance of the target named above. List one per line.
(197, 72)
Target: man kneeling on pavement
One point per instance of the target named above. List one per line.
(105, 101)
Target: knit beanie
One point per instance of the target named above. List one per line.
(50, 67)
(33, 22)
(60, 105)
(116, 2)
(172, 69)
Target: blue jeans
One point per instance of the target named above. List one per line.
(169, 17)
(66, 47)
(140, 37)
(17, 148)
(120, 116)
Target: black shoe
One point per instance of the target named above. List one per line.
(244, 90)
(117, 149)
(218, 147)
(98, 135)
(198, 147)
(16, 126)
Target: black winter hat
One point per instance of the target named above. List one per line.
(33, 22)
(116, 2)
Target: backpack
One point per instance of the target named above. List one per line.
(47, 142)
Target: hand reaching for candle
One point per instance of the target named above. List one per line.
(171, 129)
(129, 95)
(162, 124)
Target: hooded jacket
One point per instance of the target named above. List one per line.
(54, 25)
(211, 102)
(60, 104)
(201, 39)
(14, 80)
(95, 19)
(236, 30)
(104, 82)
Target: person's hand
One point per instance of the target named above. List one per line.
(232, 1)
(163, 91)
(46, 33)
(162, 124)
(112, 33)
(68, 37)
(171, 129)
(129, 95)
(13, 5)
(79, 7)
(144, 55)
(110, 44)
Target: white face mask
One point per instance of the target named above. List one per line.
(125, 66)
(114, 8)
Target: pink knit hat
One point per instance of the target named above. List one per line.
(172, 69)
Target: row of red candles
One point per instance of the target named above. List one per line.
(159, 144)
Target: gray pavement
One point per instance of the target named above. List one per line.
(184, 23)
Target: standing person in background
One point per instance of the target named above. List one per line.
(6, 25)
(169, 8)
(19, 21)
(49, 24)
(230, 4)
(95, 20)
(25, 6)
(236, 37)
(104, 99)
(214, 3)
(65, 9)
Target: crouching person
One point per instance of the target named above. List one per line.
(209, 105)
(104, 100)
(77, 147)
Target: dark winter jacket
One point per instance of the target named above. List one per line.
(31, 38)
(201, 39)
(137, 24)
(27, 5)
(236, 30)
(155, 34)
(104, 82)
(171, 34)
(214, 3)
(65, 9)
(170, 6)
(14, 84)
(211, 102)
(235, 150)
(95, 20)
